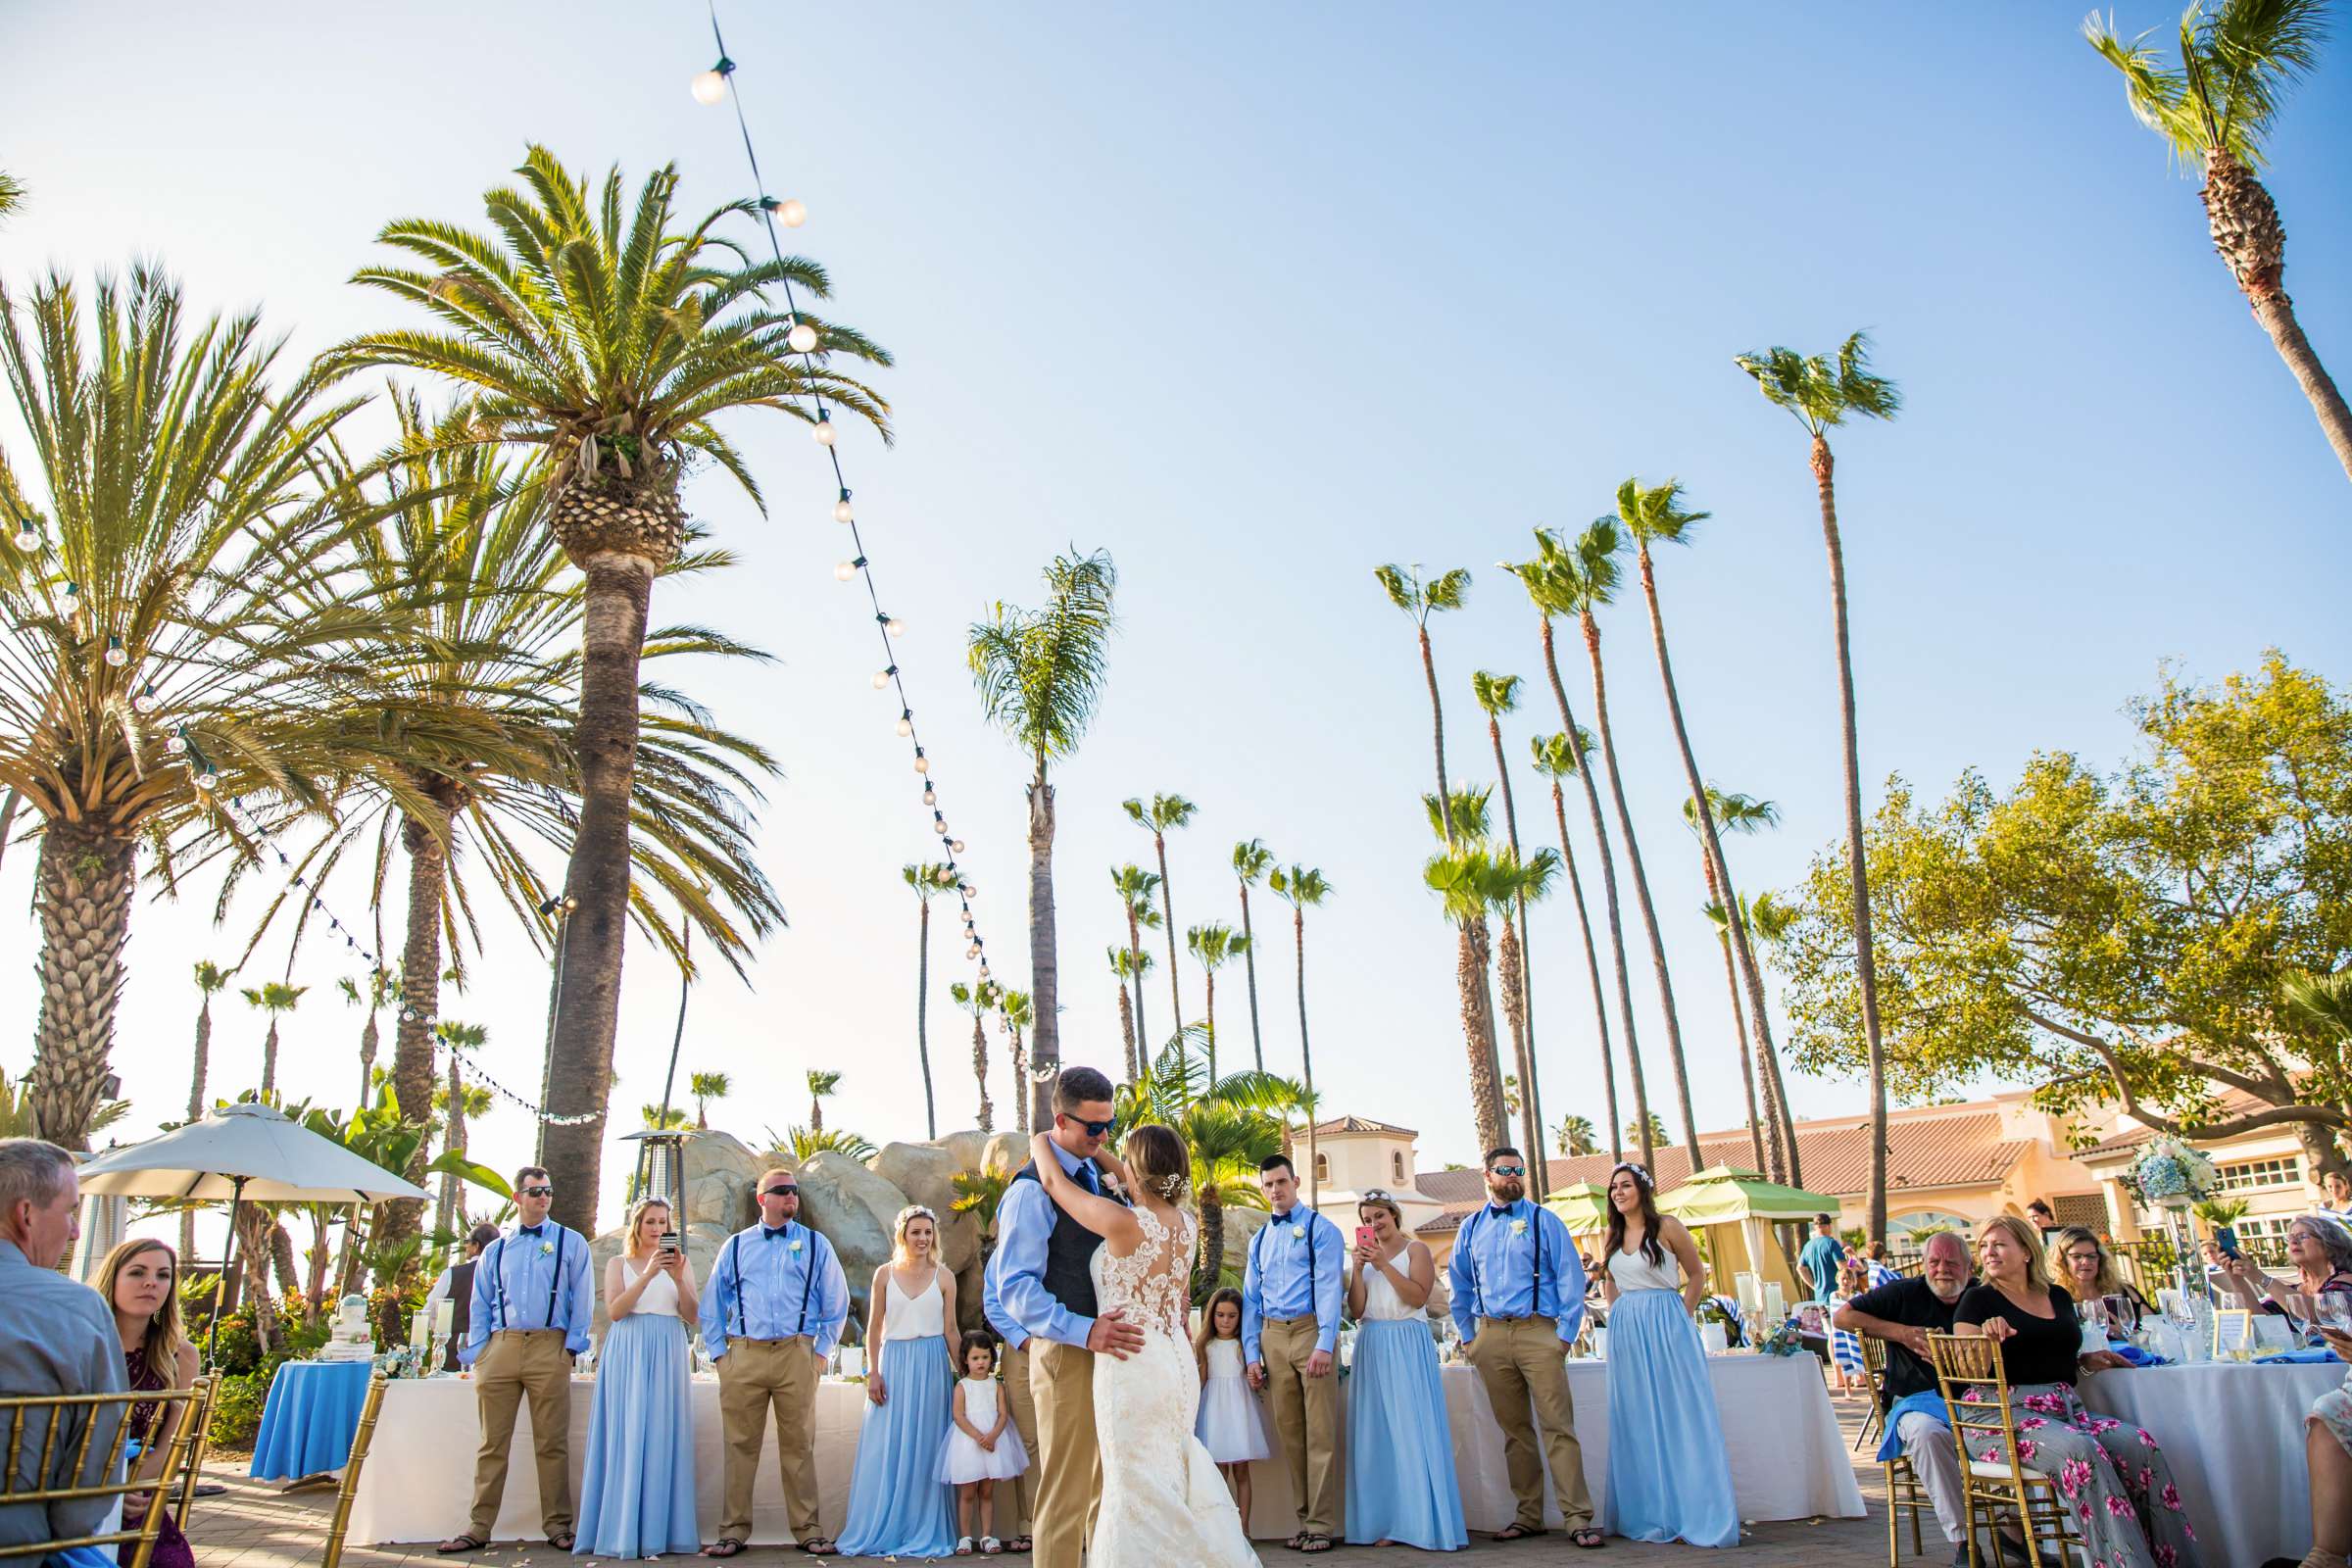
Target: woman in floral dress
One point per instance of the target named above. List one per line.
(2112, 1476)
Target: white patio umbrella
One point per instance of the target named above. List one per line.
(241, 1151)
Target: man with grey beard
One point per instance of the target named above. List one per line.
(1903, 1314)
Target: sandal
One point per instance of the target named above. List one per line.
(1295, 1542)
(1020, 1543)
(457, 1544)
(1311, 1543)
(963, 1546)
(990, 1546)
(724, 1546)
(819, 1546)
(1518, 1532)
(562, 1542)
(1586, 1539)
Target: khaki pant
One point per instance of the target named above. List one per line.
(517, 1363)
(1307, 1421)
(1069, 1465)
(1519, 1360)
(1013, 1496)
(757, 1377)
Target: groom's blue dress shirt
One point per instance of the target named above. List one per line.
(775, 1284)
(1024, 1220)
(992, 1304)
(1297, 1264)
(1516, 1260)
(533, 1277)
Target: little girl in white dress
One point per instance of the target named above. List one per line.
(965, 1462)
(1231, 1425)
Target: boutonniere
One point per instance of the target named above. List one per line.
(1518, 1227)
(1298, 1233)
(547, 1249)
(793, 1246)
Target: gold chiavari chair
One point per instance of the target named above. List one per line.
(360, 1441)
(70, 1448)
(200, 1418)
(1874, 1379)
(1975, 1388)
(1905, 1496)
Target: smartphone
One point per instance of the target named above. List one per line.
(669, 1241)
(2225, 1236)
(1367, 1235)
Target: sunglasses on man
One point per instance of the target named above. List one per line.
(779, 1192)
(1506, 1170)
(537, 1192)
(1093, 1129)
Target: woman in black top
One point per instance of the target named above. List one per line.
(2114, 1477)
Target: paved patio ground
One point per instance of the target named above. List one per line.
(259, 1526)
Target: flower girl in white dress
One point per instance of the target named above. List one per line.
(1231, 1425)
(982, 1447)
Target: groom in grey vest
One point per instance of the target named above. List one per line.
(1042, 1283)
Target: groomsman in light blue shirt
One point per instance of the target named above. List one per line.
(1518, 1291)
(1291, 1290)
(532, 1304)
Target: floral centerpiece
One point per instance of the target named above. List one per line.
(2170, 1174)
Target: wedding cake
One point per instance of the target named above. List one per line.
(349, 1338)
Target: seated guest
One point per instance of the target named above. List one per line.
(138, 1280)
(2083, 1267)
(456, 1287)
(1902, 1316)
(2112, 1476)
(2327, 1450)
(2320, 1246)
(56, 1337)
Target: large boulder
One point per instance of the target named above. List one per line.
(966, 1149)
(925, 1174)
(854, 1210)
(721, 1180)
(1008, 1150)
(702, 1242)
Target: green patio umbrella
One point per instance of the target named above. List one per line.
(1723, 1194)
(1584, 1206)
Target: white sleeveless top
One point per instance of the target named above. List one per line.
(1381, 1303)
(1633, 1272)
(1224, 1358)
(920, 1316)
(979, 1401)
(659, 1298)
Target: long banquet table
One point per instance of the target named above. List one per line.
(1789, 1460)
(2234, 1431)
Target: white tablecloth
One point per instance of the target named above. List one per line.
(2235, 1435)
(1789, 1460)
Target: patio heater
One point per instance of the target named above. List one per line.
(661, 1169)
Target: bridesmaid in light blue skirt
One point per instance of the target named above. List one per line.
(1400, 1481)
(637, 1479)
(1670, 1476)
(899, 1507)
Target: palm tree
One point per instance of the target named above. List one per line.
(1655, 1133)
(1015, 1015)
(928, 881)
(2238, 58)
(661, 1119)
(1466, 879)
(1656, 514)
(210, 979)
(980, 1001)
(1556, 759)
(1739, 813)
(1498, 695)
(1212, 948)
(456, 1102)
(274, 999)
(169, 624)
(979, 1192)
(1420, 599)
(1772, 921)
(1040, 674)
(1228, 1126)
(820, 1085)
(1123, 966)
(1822, 395)
(1135, 887)
(704, 1087)
(803, 1144)
(381, 986)
(12, 193)
(1303, 888)
(1250, 861)
(1165, 812)
(611, 338)
(1552, 587)
(1518, 884)
(1574, 1137)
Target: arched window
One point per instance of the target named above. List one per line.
(1396, 1166)
(1322, 1167)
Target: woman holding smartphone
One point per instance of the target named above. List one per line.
(1400, 1481)
(637, 1480)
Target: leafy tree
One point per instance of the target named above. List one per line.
(1303, 888)
(1015, 1015)
(2216, 108)
(211, 980)
(1822, 394)
(1228, 1125)
(609, 338)
(456, 1103)
(929, 881)
(1123, 967)
(2146, 936)
(1467, 878)
(980, 1191)
(12, 193)
(1164, 811)
(660, 1119)
(1250, 862)
(704, 1087)
(380, 987)
(1041, 673)
(802, 1144)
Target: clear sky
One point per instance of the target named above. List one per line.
(1256, 298)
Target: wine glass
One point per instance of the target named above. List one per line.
(2336, 1311)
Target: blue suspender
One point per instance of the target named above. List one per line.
(1478, 1275)
(553, 1285)
(807, 1284)
(1258, 1256)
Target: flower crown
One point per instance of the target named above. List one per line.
(1640, 1174)
(908, 1215)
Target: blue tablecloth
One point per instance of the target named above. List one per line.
(313, 1414)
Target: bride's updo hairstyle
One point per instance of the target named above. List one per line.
(1159, 1161)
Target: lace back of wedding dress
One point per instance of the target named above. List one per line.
(1155, 1281)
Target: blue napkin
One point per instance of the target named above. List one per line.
(1926, 1399)
(2138, 1356)
(2312, 1357)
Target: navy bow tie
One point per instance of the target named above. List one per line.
(1283, 1218)
(1498, 1210)
(529, 1229)
(769, 1233)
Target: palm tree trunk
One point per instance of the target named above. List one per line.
(2246, 231)
(369, 1039)
(427, 845)
(1167, 917)
(1472, 954)
(196, 1072)
(922, 1021)
(1608, 888)
(1045, 974)
(252, 1223)
(1866, 968)
(988, 1112)
(1208, 978)
(347, 1264)
(1584, 923)
(1020, 1075)
(1212, 1244)
(1306, 1058)
(269, 1057)
(1258, 1045)
(453, 1141)
(313, 1290)
(817, 1111)
(1632, 861)
(281, 1260)
(1510, 972)
(1436, 725)
(1135, 979)
(1135, 1061)
(1523, 1012)
(619, 589)
(82, 883)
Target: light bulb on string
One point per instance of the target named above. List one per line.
(823, 433)
(842, 510)
(940, 827)
(205, 778)
(792, 213)
(70, 594)
(146, 701)
(956, 846)
(930, 795)
(116, 654)
(905, 726)
(29, 538)
(711, 88)
(895, 627)
(882, 677)
(972, 951)
(803, 340)
(922, 763)
(844, 570)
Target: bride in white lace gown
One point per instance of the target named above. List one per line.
(1163, 1504)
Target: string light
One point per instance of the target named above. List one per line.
(146, 701)
(843, 571)
(29, 538)
(71, 597)
(905, 725)
(116, 654)
(893, 625)
(842, 512)
(823, 430)
(712, 86)
(883, 677)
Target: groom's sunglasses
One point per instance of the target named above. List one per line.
(1093, 1129)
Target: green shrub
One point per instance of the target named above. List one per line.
(237, 1408)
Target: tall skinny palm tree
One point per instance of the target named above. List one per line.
(275, 999)
(1303, 888)
(1250, 862)
(1772, 921)
(1574, 1138)
(1822, 394)
(1212, 948)
(211, 980)
(928, 882)
(1135, 887)
(1421, 598)
(979, 1000)
(1518, 884)
(822, 1085)
(1126, 965)
(1165, 812)
(1496, 696)
(704, 1087)
(1740, 813)
(1465, 875)
(1015, 1013)
(1040, 674)
(1556, 759)
(455, 1100)
(609, 337)
(373, 993)
(2217, 108)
